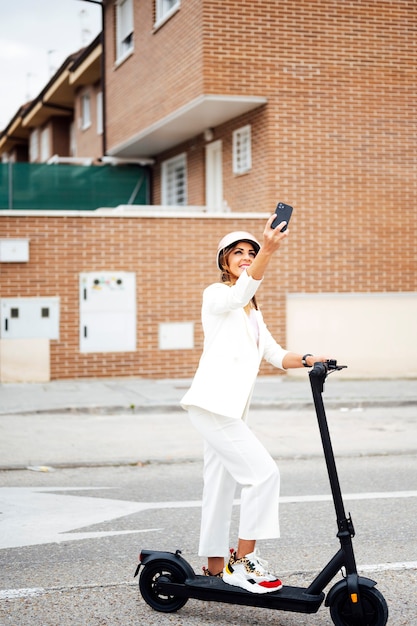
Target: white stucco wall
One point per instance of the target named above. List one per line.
(375, 334)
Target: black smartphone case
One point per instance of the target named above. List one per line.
(283, 214)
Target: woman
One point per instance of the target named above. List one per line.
(236, 339)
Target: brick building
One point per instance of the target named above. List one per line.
(235, 105)
(65, 119)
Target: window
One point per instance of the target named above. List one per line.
(124, 28)
(165, 8)
(45, 151)
(34, 146)
(174, 181)
(242, 153)
(85, 110)
(100, 113)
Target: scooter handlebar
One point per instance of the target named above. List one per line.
(321, 368)
(320, 371)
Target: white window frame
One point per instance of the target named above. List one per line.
(73, 140)
(85, 110)
(164, 9)
(124, 29)
(174, 181)
(34, 145)
(214, 176)
(99, 107)
(44, 145)
(242, 150)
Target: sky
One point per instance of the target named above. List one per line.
(36, 36)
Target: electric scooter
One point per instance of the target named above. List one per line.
(167, 580)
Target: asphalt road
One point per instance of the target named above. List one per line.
(70, 539)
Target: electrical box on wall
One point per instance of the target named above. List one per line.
(176, 336)
(107, 311)
(29, 318)
(14, 250)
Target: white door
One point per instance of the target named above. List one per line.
(214, 176)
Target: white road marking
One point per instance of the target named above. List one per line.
(385, 567)
(373, 495)
(38, 515)
(12, 594)
(33, 516)
(32, 592)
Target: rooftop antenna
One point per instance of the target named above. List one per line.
(28, 91)
(85, 31)
(51, 68)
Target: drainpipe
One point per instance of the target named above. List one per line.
(103, 70)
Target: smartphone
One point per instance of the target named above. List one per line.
(283, 214)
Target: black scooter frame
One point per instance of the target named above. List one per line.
(175, 579)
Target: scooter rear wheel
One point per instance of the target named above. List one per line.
(148, 586)
(373, 603)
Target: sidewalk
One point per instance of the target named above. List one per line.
(81, 423)
(108, 395)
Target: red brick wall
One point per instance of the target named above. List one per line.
(174, 259)
(252, 191)
(89, 143)
(337, 136)
(163, 73)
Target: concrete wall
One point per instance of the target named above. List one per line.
(24, 360)
(375, 334)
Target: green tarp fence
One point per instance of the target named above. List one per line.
(71, 187)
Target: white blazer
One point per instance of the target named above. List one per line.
(231, 357)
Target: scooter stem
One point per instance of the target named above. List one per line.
(317, 377)
(345, 526)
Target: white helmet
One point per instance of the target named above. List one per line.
(234, 237)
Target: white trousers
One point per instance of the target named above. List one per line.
(233, 455)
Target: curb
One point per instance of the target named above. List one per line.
(283, 405)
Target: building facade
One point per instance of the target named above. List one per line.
(234, 106)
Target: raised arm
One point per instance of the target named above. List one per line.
(272, 239)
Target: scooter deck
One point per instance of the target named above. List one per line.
(214, 589)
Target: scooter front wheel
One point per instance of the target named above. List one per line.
(148, 585)
(374, 607)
